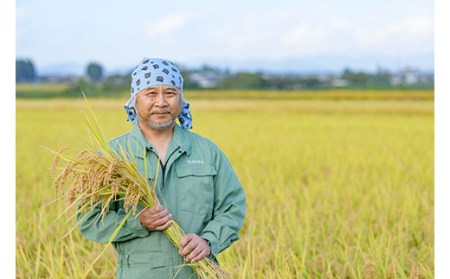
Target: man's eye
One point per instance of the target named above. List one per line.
(151, 93)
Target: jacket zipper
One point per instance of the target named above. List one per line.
(163, 172)
(163, 166)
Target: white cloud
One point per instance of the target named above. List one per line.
(166, 25)
(288, 35)
(171, 24)
(409, 35)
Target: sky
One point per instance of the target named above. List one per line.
(294, 35)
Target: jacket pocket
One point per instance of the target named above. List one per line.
(146, 265)
(152, 260)
(196, 188)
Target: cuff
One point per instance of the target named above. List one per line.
(212, 242)
(134, 225)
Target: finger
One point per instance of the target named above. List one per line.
(185, 239)
(165, 226)
(195, 252)
(162, 221)
(160, 214)
(152, 221)
(201, 255)
(156, 209)
(189, 247)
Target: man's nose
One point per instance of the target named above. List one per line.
(160, 100)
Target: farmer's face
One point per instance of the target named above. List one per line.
(158, 106)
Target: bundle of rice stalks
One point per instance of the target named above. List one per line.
(100, 175)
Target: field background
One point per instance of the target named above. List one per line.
(339, 183)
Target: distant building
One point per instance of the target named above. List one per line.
(410, 76)
(206, 79)
(339, 82)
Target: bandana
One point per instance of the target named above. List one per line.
(156, 71)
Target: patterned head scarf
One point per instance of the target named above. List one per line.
(156, 71)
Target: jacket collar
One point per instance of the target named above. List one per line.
(138, 142)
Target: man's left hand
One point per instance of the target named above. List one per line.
(193, 247)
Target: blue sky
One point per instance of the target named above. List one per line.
(290, 35)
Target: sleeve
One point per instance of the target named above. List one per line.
(94, 228)
(229, 207)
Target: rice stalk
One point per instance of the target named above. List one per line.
(101, 175)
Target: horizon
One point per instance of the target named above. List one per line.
(78, 69)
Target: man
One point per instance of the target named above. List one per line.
(195, 183)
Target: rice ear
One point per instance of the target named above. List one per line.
(55, 161)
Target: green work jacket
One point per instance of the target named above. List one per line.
(199, 188)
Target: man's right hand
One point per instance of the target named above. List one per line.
(156, 218)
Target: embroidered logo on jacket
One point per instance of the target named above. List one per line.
(195, 161)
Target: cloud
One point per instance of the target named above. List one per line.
(166, 25)
(408, 35)
(288, 34)
(169, 25)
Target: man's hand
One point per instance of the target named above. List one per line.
(193, 247)
(156, 218)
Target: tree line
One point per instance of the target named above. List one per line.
(94, 79)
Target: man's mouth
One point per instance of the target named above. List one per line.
(160, 112)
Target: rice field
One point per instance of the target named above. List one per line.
(336, 188)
